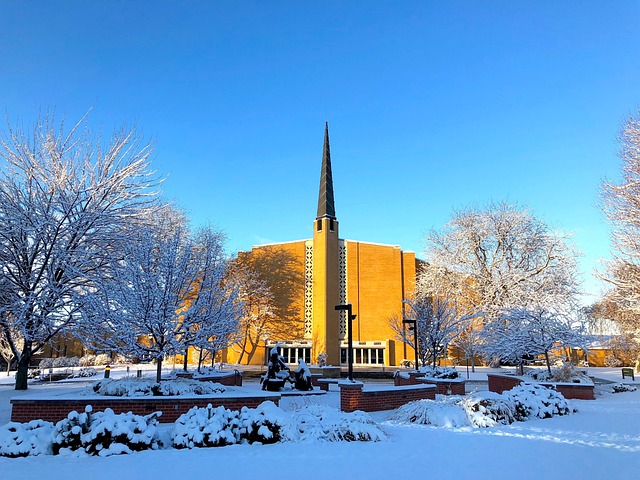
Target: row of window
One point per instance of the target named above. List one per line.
(361, 355)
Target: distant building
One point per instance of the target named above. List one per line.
(374, 278)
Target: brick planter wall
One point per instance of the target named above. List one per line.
(53, 410)
(579, 391)
(353, 397)
(500, 383)
(229, 379)
(445, 386)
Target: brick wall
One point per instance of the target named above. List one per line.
(443, 386)
(578, 391)
(23, 410)
(353, 397)
(501, 383)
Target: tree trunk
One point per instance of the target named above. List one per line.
(23, 367)
(186, 360)
(200, 360)
(158, 369)
(473, 364)
(546, 357)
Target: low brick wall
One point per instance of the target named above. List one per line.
(579, 391)
(353, 397)
(500, 383)
(228, 379)
(52, 410)
(443, 386)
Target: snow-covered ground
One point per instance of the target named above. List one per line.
(602, 439)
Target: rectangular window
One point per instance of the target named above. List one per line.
(331, 224)
(319, 225)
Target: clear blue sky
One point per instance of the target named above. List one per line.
(432, 105)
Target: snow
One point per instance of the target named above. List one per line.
(601, 439)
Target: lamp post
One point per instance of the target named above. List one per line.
(413, 325)
(350, 317)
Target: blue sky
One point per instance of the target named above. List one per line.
(431, 105)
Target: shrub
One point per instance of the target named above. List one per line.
(566, 373)
(320, 422)
(103, 359)
(213, 427)
(24, 439)
(431, 412)
(621, 387)
(612, 361)
(206, 427)
(533, 400)
(45, 363)
(105, 433)
(88, 361)
(62, 362)
(137, 387)
(439, 372)
(487, 409)
(84, 372)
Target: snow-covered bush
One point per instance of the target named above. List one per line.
(88, 361)
(430, 412)
(320, 422)
(612, 361)
(23, 439)
(536, 401)
(85, 372)
(206, 427)
(565, 373)
(103, 359)
(45, 363)
(62, 362)
(439, 372)
(487, 409)
(265, 424)
(621, 387)
(137, 387)
(105, 433)
(213, 427)
(34, 373)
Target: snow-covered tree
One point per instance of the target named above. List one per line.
(7, 344)
(270, 281)
(522, 334)
(67, 199)
(469, 340)
(437, 321)
(167, 294)
(621, 204)
(500, 257)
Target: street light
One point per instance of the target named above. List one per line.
(350, 317)
(413, 325)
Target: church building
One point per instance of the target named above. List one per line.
(374, 278)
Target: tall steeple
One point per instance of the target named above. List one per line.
(326, 206)
(326, 251)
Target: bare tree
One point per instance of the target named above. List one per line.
(271, 280)
(501, 257)
(621, 204)
(66, 202)
(167, 294)
(437, 322)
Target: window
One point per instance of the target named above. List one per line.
(363, 356)
(319, 225)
